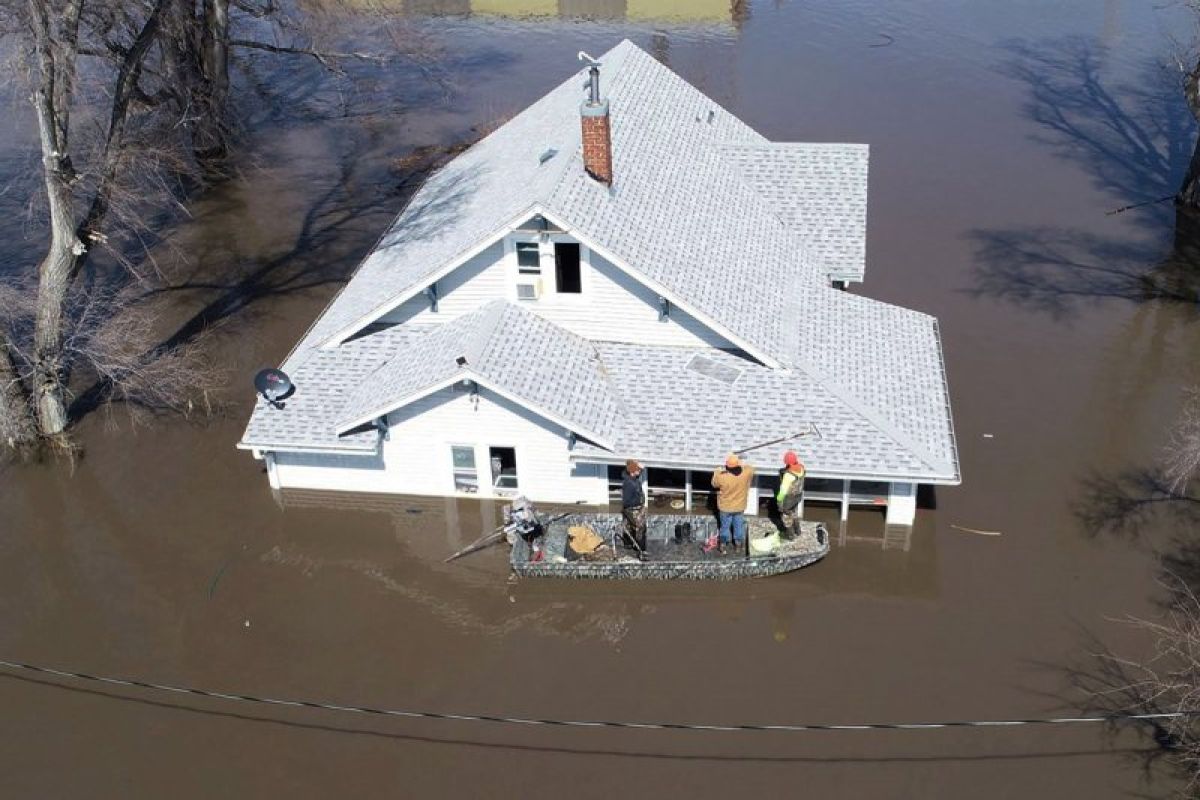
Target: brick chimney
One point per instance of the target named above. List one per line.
(597, 137)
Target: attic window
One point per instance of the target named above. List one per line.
(529, 259)
(567, 275)
(713, 369)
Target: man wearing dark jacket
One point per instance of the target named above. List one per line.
(633, 507)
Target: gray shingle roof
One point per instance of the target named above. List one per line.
(674, 414)
(680, 210)
(645, 401)
(885, 361)
(506, 347)
(742, 231)
(819, 191)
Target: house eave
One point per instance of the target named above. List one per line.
(267, 447)
(708, 466)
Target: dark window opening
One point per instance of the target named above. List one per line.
(614, 480)
(566, 268)
(504, 468)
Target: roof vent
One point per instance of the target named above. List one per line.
(711, 368)
(547, 155)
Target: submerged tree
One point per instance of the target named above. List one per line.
(132, 105)
(1189, 192)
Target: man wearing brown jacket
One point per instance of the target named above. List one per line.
(733, 487)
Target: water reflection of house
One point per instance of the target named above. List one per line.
(689, 11)
(633, 275)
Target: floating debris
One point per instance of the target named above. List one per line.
(975, 530)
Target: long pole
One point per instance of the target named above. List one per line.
(478, 544)
(491, 538)
(811, 430)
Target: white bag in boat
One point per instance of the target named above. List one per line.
(765, 545)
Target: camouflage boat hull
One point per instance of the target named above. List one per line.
(671, 553)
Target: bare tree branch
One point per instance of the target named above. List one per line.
(326, 58)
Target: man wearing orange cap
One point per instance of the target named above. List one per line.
(733, 487)
(791, 493)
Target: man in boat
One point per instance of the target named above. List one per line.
(790, 494)
(732, 483)
(633, 507)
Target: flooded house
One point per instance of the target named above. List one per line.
(623, 270)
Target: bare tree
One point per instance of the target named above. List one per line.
(1187, 61)
(132, 105)
(1183, 449)
(1164, 683)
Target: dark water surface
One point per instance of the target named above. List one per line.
(1000, 135)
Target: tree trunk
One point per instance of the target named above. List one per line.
(1189, 192)
(210, 145)
(54, 279)
(56, 39)
(216, 52)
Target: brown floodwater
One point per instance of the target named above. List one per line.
(1000, 134)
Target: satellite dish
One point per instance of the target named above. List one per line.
(274, 385)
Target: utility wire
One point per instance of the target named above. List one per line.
(571, 723)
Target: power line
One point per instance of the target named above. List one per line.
(572, 723)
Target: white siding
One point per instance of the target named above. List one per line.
(332, 471)
(612, 307)
(416, 457)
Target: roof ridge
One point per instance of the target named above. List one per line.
(478, 342)
(588, 344)
(788, 145)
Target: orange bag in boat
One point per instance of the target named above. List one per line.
(583, 540)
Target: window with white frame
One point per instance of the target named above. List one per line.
(529, 258)
(466, 476)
